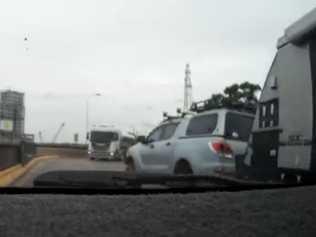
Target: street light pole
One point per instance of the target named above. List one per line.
(87, 119)
(87, 113)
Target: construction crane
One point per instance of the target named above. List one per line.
(58, 132)
(187, 89)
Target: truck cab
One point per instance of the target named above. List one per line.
(107, 143)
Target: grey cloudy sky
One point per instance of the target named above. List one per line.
(134, 53)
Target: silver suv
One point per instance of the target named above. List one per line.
(201, 144)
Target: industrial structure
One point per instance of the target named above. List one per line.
(187, 89)
(12, 115)
(16, 147)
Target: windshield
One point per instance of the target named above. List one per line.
(129, 94)
(103, 137)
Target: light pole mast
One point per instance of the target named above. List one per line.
(87, 113)
(87, 119)
(187, 89)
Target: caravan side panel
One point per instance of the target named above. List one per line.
(296, 107)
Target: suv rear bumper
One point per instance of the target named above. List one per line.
(215, 167)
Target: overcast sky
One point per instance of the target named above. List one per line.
(133, 53)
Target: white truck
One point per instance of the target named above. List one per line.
(108, 143)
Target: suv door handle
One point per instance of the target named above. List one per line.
(168, 144)
(151, 146)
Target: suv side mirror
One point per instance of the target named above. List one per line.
(141, 139)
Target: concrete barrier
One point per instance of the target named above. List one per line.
(14, 154)
(9, 155)
(62, 151)
(16, 159)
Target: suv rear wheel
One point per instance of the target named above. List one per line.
(183, 167)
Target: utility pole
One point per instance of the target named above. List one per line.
(40, 136)
(87, 113)
(187, 89)
(76, 138)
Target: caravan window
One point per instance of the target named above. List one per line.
(272, 109)
(269, 115)
(263, 110)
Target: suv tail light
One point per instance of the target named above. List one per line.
(221, 148)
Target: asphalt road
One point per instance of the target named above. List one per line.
(283, 212)
(66, 164)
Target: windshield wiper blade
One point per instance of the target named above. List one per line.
(109, 179)
(79, 179)
(123, 180)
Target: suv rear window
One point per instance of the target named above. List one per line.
(201, 125)
(238, 126)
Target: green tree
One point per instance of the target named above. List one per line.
(243, 94)
(249, 92)
(217, 100)
(232, 94)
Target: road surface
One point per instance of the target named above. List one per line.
(66, 164)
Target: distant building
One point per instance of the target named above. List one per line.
(12, 116)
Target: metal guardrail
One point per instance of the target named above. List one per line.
(9, 155)
(62, 145)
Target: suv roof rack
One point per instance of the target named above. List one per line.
(181, 115)
(167, 117)
(206, 105)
